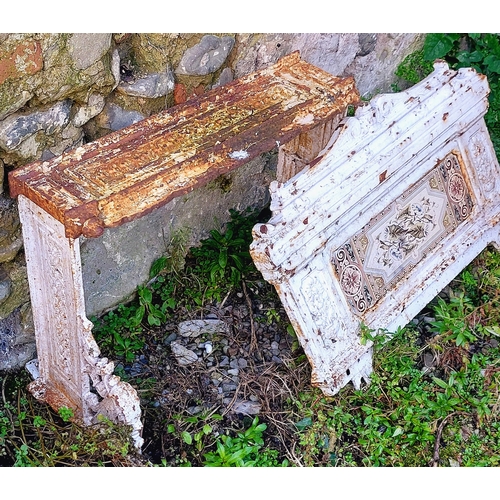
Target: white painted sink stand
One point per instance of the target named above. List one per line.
(403, 197)
(123, 176)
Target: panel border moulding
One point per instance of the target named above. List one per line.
(403, 197)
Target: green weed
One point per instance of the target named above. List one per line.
(118, 333)
(453, 319)
(396, 420)
(65, 413)
(415, 67)
(155, 315)
(243, 450)
(33, 435)
(224, 259)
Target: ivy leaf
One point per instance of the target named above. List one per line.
(467, 58)
(437, 45)
(493, 63)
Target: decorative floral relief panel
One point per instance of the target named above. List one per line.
(394, 241)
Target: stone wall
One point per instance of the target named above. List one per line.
(58, 91)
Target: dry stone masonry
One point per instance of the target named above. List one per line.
(60, 91)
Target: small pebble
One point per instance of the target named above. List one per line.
(170, 339)
(229, 387)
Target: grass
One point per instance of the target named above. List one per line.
(433, 400)
(409, 416)
(33, 435)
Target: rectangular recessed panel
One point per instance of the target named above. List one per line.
(375, 259)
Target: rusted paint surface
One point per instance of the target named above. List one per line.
(401, 199)
(304, 149)
(128, 173)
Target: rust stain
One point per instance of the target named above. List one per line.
(56, 396)
(382, 177)
(315, 161)
(129, 173)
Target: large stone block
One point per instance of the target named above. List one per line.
(206, 57)
(150, 86)
(114, 264)
(88, 48)
(48, 67)
(18, 127)
(15, 275)
(17, 339)
(10, 230)
(371, 58)
(51, 75)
